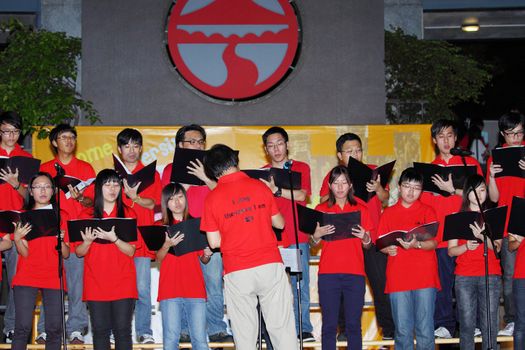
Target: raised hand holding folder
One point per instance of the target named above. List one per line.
(27, 167)
(508, 158)
(360, 174)
(281, 177)
(146, 175)
(457, 225)
(459, 175)
(43, 222)
(343, 222)
(125, 228)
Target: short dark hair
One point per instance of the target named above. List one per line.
(410, 174)
(274, 130)
(334, 174)
(510, 121)
(11, 118)
(129, 135)
(349, 136)
(219, 159)
(441, 124)
(179, 137)
(58, 130)
(103, 177)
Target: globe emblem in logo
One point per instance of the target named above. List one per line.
(233, 50)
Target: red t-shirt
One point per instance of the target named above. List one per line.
(508, 187)
(144, 216)
(241, 209)
(519, 267)
(79, 169)
(11, 199)
(442, 205)
(109, 274)
(472, 262)
(196, 194)
(413, 268)
(285, 206)
(40, 268)
(374, 205)
(181, 276)
(345, 255)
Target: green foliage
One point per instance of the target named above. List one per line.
(38, 70)
(425, 79)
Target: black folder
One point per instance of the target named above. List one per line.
(281, 177)
(27, 167)
(420, 233)
(457, 224)
(360, 174)
(517, 217)
(181, 161)
(194, 238)
(508, 158)
(43, 221)
(146, 175)
(64, 180)
(125, 228)
(459, 175)
(343, 222)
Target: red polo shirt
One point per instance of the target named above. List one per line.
(413, 268)
(11, 199)
(241, 209)
(285, 205)
(472, 262)
(345, 255)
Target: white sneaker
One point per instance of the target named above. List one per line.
(41, 338)
(76, 337)
(477, 332)
(508, 331)
(443, 333)
(146, 339)
(112, 338)
(9, 337)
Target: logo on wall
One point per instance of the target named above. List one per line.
(233, 50)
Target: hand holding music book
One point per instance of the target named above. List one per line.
(43, 222)
(181, 161)
(360, 174)
(125, 228)
(508, 158)
(343, 222)
(281, 177)
(459, 175)
(65, 180)
(457, 225)
(194, 238)
(27, 167)
(517, 217)
(146, 175)
(421, 233)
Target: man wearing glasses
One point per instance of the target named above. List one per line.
(193, 136)
(63, 139)
(350, 145)
(511, 129)
(12, 193)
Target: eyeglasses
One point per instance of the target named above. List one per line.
(10, 132)
(41, 187)
(518, 133)
(194, 142)
(411, 187)
(65, 138)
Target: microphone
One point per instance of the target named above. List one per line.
(60, 170)
(457, 151)
(288, 164)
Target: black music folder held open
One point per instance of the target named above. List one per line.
(517, 217)
(420, 233)
(146, 175)
(459, 175)
(360, 174)
(43, 221)
(181, 161)
(281, 177)
(457, 225)
(508, 158)
(125, 228)
(343, 222)
(194, 238)
(64, 180)
(27, 167)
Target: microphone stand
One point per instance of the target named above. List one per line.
(298, 252)
(486, 237)
(60, 174)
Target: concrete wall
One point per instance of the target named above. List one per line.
(339, 79)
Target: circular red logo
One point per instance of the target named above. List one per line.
(233, 49)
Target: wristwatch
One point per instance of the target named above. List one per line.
(278, 193)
